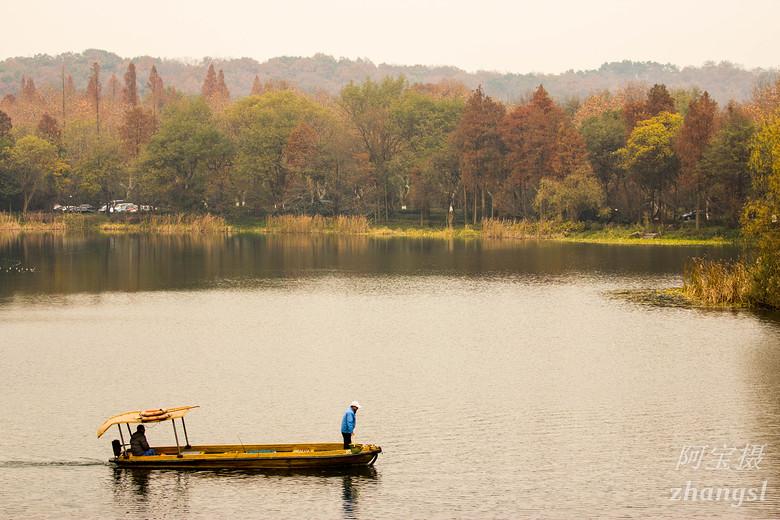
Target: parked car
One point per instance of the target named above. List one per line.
(85, 208)
(692, 216)
(125, 207)
(110, 206)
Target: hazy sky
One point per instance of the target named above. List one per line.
(503, 36)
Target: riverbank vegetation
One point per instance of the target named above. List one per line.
(644, 160)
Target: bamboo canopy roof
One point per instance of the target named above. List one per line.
(135, 417)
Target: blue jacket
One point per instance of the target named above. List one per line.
(348, 423)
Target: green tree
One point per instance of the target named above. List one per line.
(370, 109)
(176, 161)
(604, 135)
(261, 127)
(31, 161)
(573, 198)
(726, 160)
(425, 124)
(100, 171)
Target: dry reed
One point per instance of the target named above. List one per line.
(171, 224)
(717, 283)
(498, 228)
(345, 225)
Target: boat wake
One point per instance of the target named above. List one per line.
(11, 464)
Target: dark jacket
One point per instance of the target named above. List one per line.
(138, 444)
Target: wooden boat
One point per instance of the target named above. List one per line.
(239, 456)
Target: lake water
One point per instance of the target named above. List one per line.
(503, 379)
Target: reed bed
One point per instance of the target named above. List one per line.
(46, 222)
(498, 228)
(170, 224)
(345, 225)
(717, 283)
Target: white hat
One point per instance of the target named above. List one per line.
(355, 404)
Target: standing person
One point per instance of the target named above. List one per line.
(348, 424)
(138, 444)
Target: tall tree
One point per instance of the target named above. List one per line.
(130, 90)
(93, 93)
(604, 135)
(540, 142)
(478, 140)
(209, 87)
(369, 108)
(157, 92)
(697, 129)
(659, 100)
(257, 86)
(726, 159)
(49, 130)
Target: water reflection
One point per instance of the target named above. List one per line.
(156, 493)
(68, 263)
(151, 493)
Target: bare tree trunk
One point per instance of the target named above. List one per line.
(465, 207)
(476, 191)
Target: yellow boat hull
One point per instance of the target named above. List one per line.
(261, 456)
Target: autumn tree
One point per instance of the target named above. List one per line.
(697, 129)
(760, 214)
(659, 100)
(478, 141)
(49, 129)
(300, 157)
(257, 87)
(650, 158)
(94, 88)
(136, 130)
(156, 92)
(130, 90)
(540, 142)
(209, 88)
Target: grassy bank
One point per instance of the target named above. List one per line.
(360, 225)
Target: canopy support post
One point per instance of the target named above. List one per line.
(178, 448)
(122, 437)
(186, 439)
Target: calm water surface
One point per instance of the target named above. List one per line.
(502, 379)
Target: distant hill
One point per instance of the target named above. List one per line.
(724, 81)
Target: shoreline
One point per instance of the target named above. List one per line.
(678, 235)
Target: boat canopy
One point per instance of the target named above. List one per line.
(136, 417)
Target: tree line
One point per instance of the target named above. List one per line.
(640, 154)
